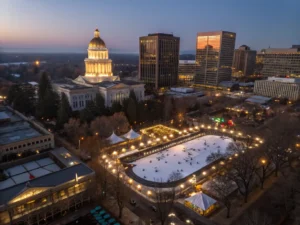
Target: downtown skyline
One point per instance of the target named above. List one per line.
(55, 26)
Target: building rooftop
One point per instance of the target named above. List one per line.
(14, 128)
(187, 62)
(69, 85)
(33, 83)
(44, 170)
(280, 50)
(160, 34)
(108, 84)
(284, 80)
(213, 32)
(258, 99)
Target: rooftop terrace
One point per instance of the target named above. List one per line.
(14, 128)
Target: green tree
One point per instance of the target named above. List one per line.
(132, 96)
(131, 111)
(22, 98)
(64, 111)
(50, 104)
(89, 112)
(100, 105)
(116, 107)
(168, 108)
(13, 92)
(44, 86)
(48, 100)
(24, 102)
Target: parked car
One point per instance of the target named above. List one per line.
(153, 208)
(132, 202)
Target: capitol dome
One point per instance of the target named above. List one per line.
(97, 42)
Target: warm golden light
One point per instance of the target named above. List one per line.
(130, 181)
(149, 192)
(139, 186)
(263, 161)
(181, 186)
(37, 62)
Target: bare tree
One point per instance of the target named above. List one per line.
(214, 156)
(75, 130)
(102, 126)
(281, 141)
(222, 186)
(264, 165)
(168, 106)
(256, 217)
(118, 189)
(165, 199)
(242, 168)
(174, 176)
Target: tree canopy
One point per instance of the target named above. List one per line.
(64, 111)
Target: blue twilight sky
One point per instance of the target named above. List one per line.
(68, 25)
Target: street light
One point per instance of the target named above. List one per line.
(80, 139)
(149, 193)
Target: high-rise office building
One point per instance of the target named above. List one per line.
(281, 61)
(159, 57)
(214, 54)
(243, 61)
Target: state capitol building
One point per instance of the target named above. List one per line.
(98, 78)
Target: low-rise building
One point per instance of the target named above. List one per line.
(19, 134)
(77, 94)
(186, 72)
(38, 188)
(278, 87)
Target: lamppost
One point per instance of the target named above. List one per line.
(80, 139)
(181, 188)
(264, 168)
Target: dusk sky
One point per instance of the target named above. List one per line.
(68, 25)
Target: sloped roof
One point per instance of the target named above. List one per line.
(114, 139)
(131, 134)
(49, 180)
(201, 200)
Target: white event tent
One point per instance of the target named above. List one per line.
(131, 135)
(200, 201)
(114, 139)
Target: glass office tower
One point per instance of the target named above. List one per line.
(158, 62)
(214, 55)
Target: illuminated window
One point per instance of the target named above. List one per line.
(62, 193)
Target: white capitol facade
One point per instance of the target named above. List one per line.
(98, 78)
